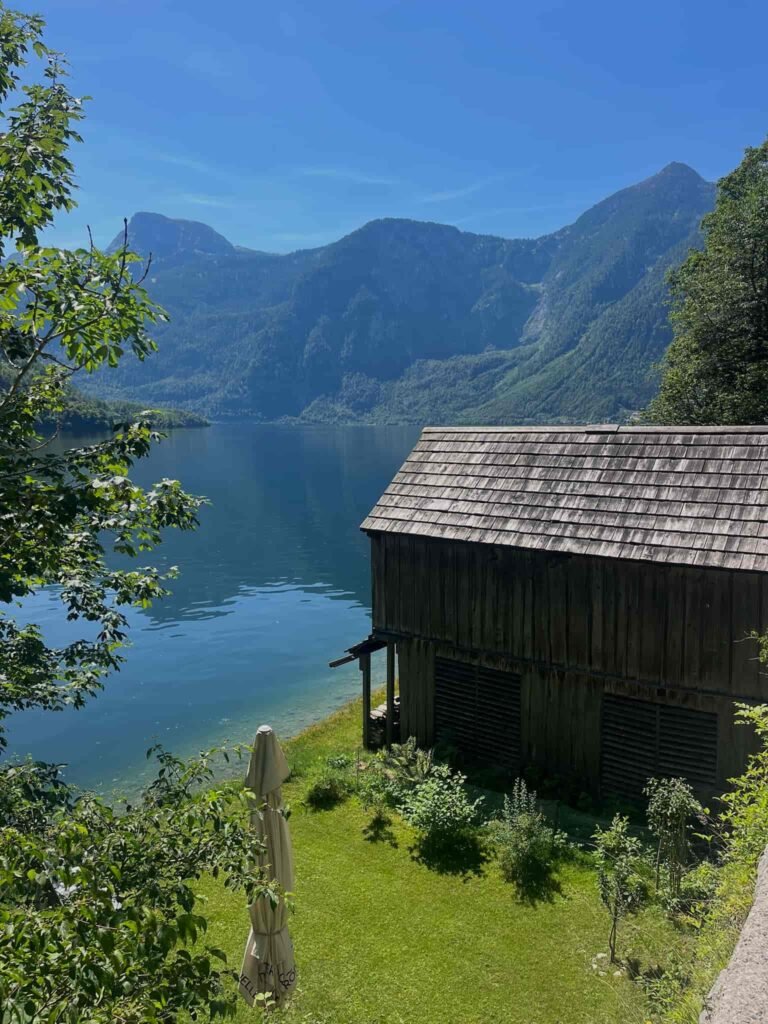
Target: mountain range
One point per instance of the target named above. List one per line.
(405, 321)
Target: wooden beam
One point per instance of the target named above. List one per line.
(390, 691)
(342, 661)
(365, 668)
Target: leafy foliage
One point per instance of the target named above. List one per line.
(406, 764)
(671, 809)
(392, 774)
(332, 784)
(98, 916)
(718, 895)
(98, 913)
(616, 852)
(697, 889)
(527, 846)
(440, 809)
(63, 313)
(746, 804)
(716, 370)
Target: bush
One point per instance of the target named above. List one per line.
(406, 764)
(719, 896)
(332, 785)
(696, 891)
(745, 817)
(440, 809)
(525, 850)
(671, 809)
(527, 845)
(375, 789)
(392, 774)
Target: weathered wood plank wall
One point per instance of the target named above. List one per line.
(575, 627)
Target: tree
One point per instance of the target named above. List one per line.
(64, 313)
(98, 915)
(96, 907)
(716, 369)
(671, 806)
(616, 852)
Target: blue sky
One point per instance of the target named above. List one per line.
(285, 125)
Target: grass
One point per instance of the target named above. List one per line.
(382, 939)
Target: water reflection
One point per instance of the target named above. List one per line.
(274, 583)
(286, 506)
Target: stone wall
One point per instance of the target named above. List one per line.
(740, 994)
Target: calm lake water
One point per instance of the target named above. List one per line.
(273, 585)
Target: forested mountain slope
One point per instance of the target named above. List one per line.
(404, 321)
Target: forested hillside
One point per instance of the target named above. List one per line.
(404, 321)
(83, 414)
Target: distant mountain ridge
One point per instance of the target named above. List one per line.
(408, 321)
(167, 238)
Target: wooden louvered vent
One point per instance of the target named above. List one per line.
(641, 740)
(478, 709)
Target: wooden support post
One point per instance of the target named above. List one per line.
(365, 668)
(390, 691)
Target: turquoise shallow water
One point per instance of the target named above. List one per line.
(274, 584)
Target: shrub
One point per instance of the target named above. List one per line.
(332, 785)
(695, 893)
(746, 805)
(100, 917)
(744, 827)
(671, 808)
(522, 800)
(375, 789)
(527, 845)
(405, 766)
(392, 774)
(525, 850)
(440, 809)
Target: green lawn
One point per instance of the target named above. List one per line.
(382, 938)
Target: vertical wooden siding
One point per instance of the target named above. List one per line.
(654, 623)
(574, 628)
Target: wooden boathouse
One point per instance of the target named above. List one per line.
(576, 598)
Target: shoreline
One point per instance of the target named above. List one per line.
(323, 722)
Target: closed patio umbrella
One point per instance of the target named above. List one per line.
(268, 963)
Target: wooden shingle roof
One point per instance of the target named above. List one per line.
(685, 495)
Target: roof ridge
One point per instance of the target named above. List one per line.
(602, 428)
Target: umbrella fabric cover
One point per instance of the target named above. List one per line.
(268, 963)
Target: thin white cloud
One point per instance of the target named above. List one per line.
(200, 199)
(345, 174)
(189, 163)
(449, 194)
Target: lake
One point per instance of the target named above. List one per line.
(274, 585)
